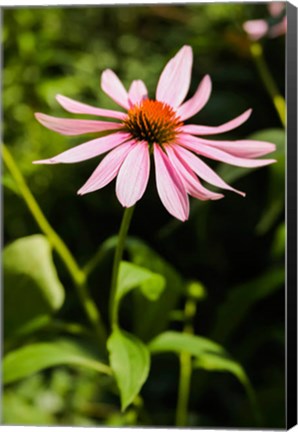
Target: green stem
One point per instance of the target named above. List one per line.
(77, 275)
(117, 259)
(271, 87)
(185, 367)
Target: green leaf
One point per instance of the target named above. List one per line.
(32, 290)
(132, 276)
(32, 358)
(218, 363)
(208, 355)
(130, 362)
(213, 362)
(177, 342)
(152, 318)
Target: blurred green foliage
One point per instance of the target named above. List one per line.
(234, 247)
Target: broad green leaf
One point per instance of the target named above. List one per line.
(241, 298)
(132, 276)
(213, 362)
(32, 358)
(130, 362)
(32, 290)
(208, 355)
(172, 341)
(152, 318)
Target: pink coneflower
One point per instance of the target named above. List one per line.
(256, 29)
(155, 127)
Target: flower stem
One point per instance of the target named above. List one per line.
(185, 366)
(270, 85)
(117, 259)
(77, 275)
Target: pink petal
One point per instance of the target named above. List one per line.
(276, 8)
(241, 148)
(73, 126)
(88, 150)
(219, 155)
(107, 169)
(198, 101)
(133, 175)
(169, 186)
(202, 170)
(211, 130)
(255, 29)
(192, 185)
(75, 107)
(114, 88)
(137, 92)
(174, 80)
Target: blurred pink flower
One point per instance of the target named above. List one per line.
(256, 29)
(155, 126)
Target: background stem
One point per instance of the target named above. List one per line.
(117, 259)
(185, 366)
(77, 275)
(268, 81)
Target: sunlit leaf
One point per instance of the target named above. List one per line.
(158, 313)
(177, 342)
(32, 290)
(214, 362)
(207, 355)
(32, 358)
(132, 276)
(130, 362)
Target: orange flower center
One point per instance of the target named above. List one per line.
(153, 121)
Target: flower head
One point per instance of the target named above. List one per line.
(155, 127)
(256, 29)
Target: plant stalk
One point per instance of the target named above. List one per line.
(77, 275)
(278, 100)
(185, 366)
(128, 212)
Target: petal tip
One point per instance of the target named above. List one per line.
(44, 162)
(38, 115)
(81, 192)
(59, 97)
(249, 112)
(187, 48)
